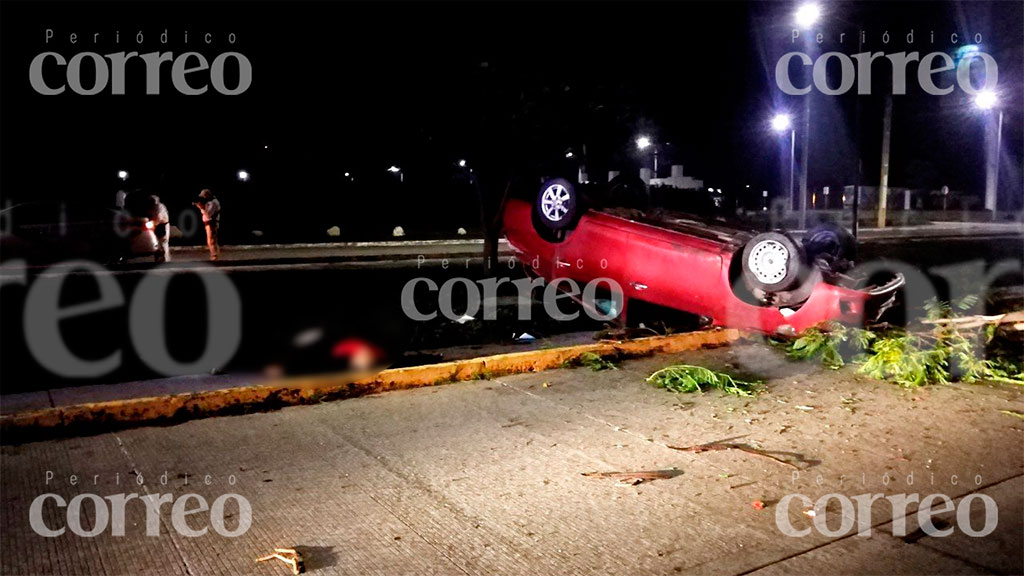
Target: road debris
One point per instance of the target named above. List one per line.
(590, 360)
(715, 446)
(757, 505)
(638, 477)
(690, 378)
(1012, 413)
(289, 556)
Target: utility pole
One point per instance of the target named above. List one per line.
(803, 161)
(992, 162)
(883, 183)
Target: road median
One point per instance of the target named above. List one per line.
(98, 417)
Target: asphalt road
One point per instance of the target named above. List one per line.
(347, 290)
(486, 477)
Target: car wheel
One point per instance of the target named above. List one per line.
(556, 205)
(832, 244)
(772, 262)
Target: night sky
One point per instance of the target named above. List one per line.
(508, 87)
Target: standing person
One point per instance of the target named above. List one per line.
(210, 208)
(162, 228)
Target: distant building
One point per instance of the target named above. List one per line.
(899, 198)
(676, 180)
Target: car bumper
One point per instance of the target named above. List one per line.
(826, 302)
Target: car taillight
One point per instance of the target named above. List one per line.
(149, 225)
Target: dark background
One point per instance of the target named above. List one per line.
(357, 87)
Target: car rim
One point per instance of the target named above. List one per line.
(768, 261)
(553, 202)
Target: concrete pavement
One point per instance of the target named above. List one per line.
(484, 477)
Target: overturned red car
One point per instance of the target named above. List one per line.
(770, 282)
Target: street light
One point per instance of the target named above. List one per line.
(643, 143)
(988, 100)
(781, 123)
(462, 163)
(396, 170)
(122, 174)
(807, 15)
(243, 176)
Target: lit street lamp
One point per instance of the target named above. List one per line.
(988, 100)
(243, 176)
(781, 123)
(396, 170)
(462, 163)
(122, 174)
(643, 143)
(807, 15)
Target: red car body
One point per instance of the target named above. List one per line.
(678, 263)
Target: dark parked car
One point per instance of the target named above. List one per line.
(43, 233)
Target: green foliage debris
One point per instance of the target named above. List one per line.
(689, 378)
(590, 360)
(941, 351)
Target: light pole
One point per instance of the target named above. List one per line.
(987, 100)
(781, 123)
(806, 16)
(644, 142)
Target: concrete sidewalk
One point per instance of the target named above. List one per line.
(484, 477)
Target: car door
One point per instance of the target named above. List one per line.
(676, 271)
(598, 248)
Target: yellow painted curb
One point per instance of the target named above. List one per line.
(99, 416)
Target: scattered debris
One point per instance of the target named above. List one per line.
(804, 408)
(334, 231)
(1012, 413)
(590, 360)
(810, 513)
(634, 478)
(715, 446)
(524, 337)
(689, 378)
(546, 385)
(398, 232)
(757, 505)
(461, 231)
(289, 556)
(463, 319)
(944, 347)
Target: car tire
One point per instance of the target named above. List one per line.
(832, 244)
(556, 209)
(773, 262)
